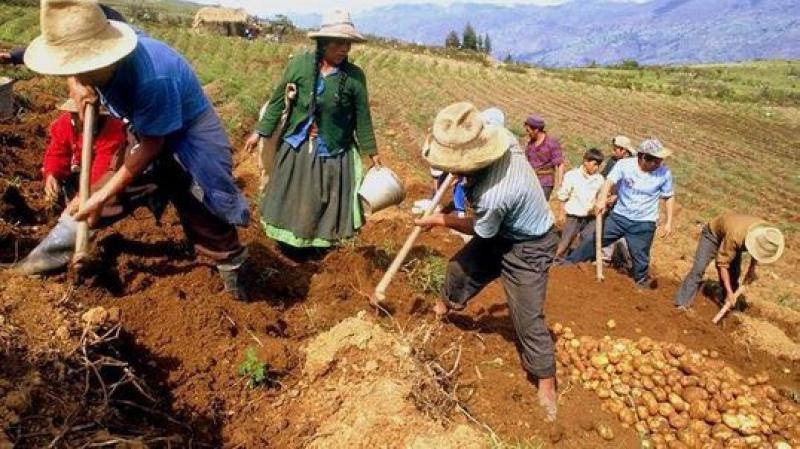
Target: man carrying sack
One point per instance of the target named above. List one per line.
(513, 227)
(725, 239)
(181, 137)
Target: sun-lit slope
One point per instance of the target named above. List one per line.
(728, 155)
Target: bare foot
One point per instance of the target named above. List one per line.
(548, 398)
(440, 309)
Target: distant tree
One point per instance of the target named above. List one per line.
(487, 44)
(479, 47)
(629, 64)
(470, 39)
(452, 41)
(508, 59)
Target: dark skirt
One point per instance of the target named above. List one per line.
(312, 201)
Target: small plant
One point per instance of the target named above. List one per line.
(427, 273)
(255, 370)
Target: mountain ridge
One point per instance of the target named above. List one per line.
(602, 31)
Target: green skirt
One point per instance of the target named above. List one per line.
(312, 201)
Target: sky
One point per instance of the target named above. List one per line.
(261, 7)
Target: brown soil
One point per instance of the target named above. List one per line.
(184, 338)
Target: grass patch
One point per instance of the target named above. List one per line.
(496, 443)
(426, 273)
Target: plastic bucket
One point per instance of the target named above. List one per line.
(380, 189)
(6, 98)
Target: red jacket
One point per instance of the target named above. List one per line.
(64, 149)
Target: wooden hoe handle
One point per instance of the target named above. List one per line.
(728, 305)
(598, 247)
(82, 238)
(380, 291)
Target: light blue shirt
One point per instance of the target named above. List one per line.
(638, 192)
(157, 90)
(508, 200)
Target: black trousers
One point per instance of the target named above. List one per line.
(523, 267)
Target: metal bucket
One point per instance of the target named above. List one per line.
(380, 189)
(6, 98)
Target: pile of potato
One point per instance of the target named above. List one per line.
(676, 398)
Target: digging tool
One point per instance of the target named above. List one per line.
(598, 247)
(728, 305)
(380, 291)
(82, 239)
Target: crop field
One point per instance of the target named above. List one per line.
(165, 359)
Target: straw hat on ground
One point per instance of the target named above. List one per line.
(655, 148)
(461, 142)
(77, 38)
(624, 142)
(337, 24)
(765, 243)
(69, 106)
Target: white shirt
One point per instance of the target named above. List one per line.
(579, 190)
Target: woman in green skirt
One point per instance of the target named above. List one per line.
(312, 200)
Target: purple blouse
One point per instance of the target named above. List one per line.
(545, 158)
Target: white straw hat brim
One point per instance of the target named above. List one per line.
(757, 251)
(102, 50)
(491, 146)
(345, 32)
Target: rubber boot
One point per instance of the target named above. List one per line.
(230, 271)
(54, 252)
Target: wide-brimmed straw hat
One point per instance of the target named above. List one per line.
(765, 243)
(70, 106)
(461, 142)
(624, 142)
(77, 38)
(654, 148)
(337, 24)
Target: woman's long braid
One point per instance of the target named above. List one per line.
(342, 82)
(312, 106)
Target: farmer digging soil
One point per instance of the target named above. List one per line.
(182, 143)
(513, 227)
(725, 239)
(641, 184)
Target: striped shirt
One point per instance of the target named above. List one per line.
(508, 200)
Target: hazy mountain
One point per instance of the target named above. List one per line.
(607, 32)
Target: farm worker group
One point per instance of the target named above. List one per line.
(179, 153)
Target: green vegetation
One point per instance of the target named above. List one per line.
(254, 370)
(427, 272)
(767, 82)
(495, 443)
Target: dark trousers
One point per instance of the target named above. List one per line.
(707, 248)
(638, 234)
(523, 268)
(167, 181)
(574, 226)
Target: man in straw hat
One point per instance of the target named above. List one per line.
(725, 239)
(181, 137)
(641, 183)
(513, 227)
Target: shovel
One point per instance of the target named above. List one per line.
(82, 239)
(598, 247)
(379, 295)
(728, 305)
